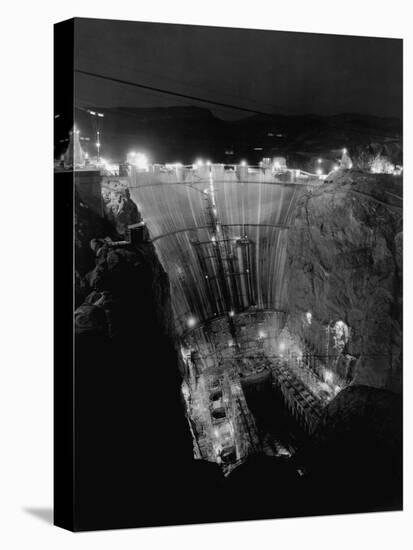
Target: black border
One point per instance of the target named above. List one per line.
(64, 483)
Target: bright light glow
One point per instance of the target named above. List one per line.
(282, 346)
(108, 166)
(319, 161)
(309, 317)
(138, 159)
(92, 112)
(243, 163)
(335, 168)
(231, 313)
(319, 172)
(341, 335)
(328, 376)
(208, 163)
(86, 156)
(185, 389)
(141, 161)
(344, 151)
(191, 322)
(213, 239)
(277, 165)
(262, 334)
(382, 165)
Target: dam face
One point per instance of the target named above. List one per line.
(220, 235)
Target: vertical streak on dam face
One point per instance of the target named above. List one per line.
(254, 213)
(257, 245)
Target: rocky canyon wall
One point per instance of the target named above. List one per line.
(344, 264)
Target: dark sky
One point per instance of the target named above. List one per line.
(276, 72)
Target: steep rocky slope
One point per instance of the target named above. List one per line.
(345, 264)
(120, 210)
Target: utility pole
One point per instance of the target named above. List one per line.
(96, 116)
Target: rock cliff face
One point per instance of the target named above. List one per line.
(345, 265)
(88, 225)
(120, 210)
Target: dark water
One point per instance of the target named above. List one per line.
(272, 418)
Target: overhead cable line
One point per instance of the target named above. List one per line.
(205, 88)
(176, 94)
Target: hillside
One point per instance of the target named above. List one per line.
(184, 133)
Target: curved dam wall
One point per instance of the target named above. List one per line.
(221, 235)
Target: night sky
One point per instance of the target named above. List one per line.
(275, 72)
